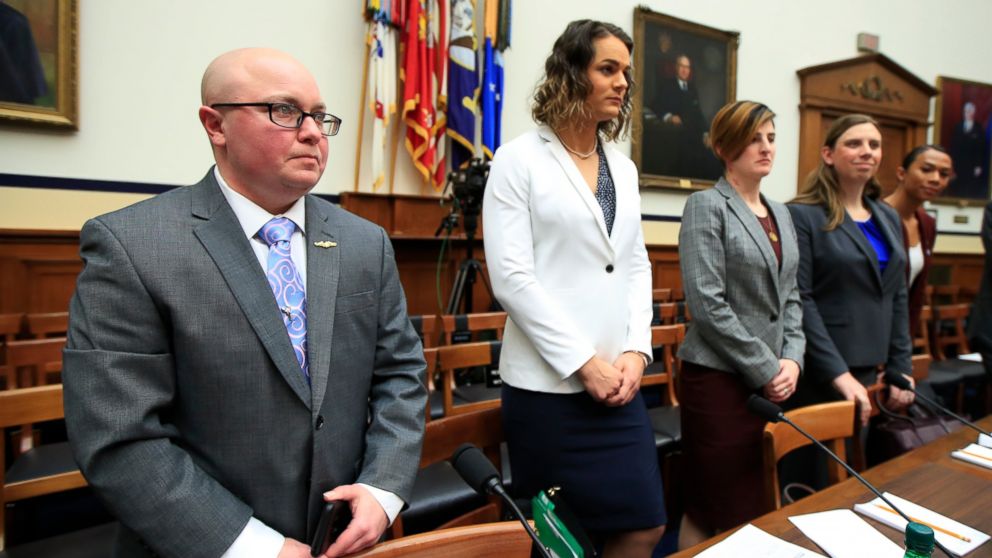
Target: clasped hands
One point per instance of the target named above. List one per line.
(613, 384)
(368, 523)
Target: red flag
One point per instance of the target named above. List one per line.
(423, 79)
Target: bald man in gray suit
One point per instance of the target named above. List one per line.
(239, 351)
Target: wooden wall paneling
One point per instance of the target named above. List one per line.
(38, 270)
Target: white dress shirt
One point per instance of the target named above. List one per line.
(257, 538)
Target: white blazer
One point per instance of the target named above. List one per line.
(571, 290)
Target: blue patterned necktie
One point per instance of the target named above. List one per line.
(287, 286)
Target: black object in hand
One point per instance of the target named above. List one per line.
(334, 519)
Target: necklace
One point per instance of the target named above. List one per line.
(766, 223)
(582, 156)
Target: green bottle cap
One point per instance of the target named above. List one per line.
(919, 538)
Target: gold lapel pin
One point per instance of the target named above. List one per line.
(325, 244)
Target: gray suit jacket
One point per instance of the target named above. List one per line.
(186, 407)
(853, 315)
(746, 312)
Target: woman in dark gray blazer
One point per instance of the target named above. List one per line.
(852, 274)
(738, 255)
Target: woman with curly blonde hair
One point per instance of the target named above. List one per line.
(567, 260)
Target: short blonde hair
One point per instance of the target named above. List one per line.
(734, 127)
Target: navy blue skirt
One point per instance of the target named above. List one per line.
(603, 458)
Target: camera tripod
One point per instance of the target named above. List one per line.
(468, 270)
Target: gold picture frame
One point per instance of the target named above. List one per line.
(670, 149)
(969, 150)
(41, 83)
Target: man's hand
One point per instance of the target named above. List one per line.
(367, 524)
(783, 384)
(631, 366)
(602, 380)
(851, 389)
(292, 548)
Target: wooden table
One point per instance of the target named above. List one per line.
(928, 476)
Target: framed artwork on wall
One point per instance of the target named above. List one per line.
(963, 125)
(683, 73)
(38, 65)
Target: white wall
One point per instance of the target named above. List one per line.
(140, 65)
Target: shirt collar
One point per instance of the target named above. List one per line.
(251, 216)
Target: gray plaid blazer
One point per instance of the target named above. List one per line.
(746, 310)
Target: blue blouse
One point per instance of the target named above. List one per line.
(877, 241)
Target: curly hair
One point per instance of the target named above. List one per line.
(822, 186)
(560, 96)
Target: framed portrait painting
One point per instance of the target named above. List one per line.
(38, 62)
(963, 125)
(684, 72)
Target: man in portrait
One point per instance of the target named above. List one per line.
(679, 115)
(970, 153)
(239, 351)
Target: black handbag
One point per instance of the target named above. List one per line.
(892, 434)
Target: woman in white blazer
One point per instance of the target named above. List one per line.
(566, 259)
(739, 256)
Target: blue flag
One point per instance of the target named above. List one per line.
(463, 82)
(492, 100)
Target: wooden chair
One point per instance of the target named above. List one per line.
(439, 495)
(665, 342)
(661, 295)
(506, 539)
(434, 397)
(465, 399)
(455, 326)
(831, 423)
(945, 294)
(44, 469)
(921, 367)
(41, 358)
(49, 324)
(921, 343)
(10, 327)
(428, 327)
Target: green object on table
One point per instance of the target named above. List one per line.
(557, 528)
(919, 541)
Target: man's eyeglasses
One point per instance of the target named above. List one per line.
(289, 116)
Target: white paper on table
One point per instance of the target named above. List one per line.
(842, 534)
(985, 440)
(921, 514)
(751, 541)
(972, 357)
(975, 454)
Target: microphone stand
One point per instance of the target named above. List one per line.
(783, 418)
(497, 487)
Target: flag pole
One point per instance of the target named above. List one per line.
(361, 108)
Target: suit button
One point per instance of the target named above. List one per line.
(609, 268)
(773, 317)
(320, 422)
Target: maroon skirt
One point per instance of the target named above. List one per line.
(721, 445)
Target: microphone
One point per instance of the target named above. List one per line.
(773, 413)
(898, 380)
(476, 470)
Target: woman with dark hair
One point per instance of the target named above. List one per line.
(851, 272)
(924, 174)
(738, 253)
(566, 258)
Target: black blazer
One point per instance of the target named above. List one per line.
(853, 316)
